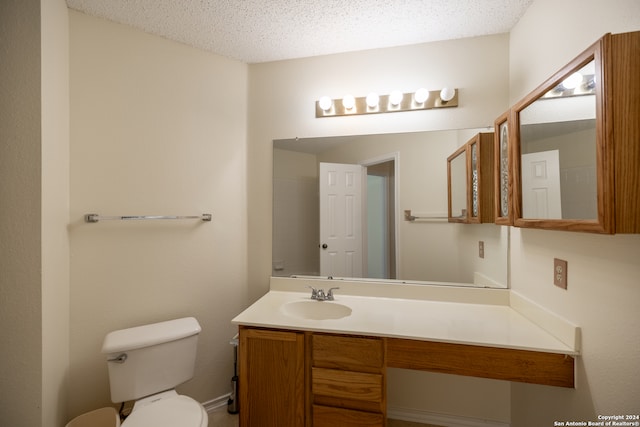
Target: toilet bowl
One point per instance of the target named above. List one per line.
(146, 363)
(168, 409)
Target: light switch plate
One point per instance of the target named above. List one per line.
(481, 249)
(560, 273)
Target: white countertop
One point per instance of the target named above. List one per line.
(491, 323)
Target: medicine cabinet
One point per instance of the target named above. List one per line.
(575, 145)
(470, 181)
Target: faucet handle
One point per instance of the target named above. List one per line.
(330, 293)
(314, 292)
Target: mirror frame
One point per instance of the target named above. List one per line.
(604, 150)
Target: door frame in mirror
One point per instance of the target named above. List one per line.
(604, 223)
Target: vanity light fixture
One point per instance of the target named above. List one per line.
(397, 101)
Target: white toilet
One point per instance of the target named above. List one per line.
(146, 363)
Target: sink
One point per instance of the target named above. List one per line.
(316, 310)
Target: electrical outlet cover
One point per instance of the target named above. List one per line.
(560, 273)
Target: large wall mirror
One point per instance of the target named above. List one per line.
(384, 175)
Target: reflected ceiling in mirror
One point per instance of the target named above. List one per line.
(392, 249)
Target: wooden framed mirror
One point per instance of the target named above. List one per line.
(561, 157)
(575, 156)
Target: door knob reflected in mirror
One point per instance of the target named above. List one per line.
(324, 246)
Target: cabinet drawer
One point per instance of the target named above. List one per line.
(324, 416)
(349, 353)
(347, 384)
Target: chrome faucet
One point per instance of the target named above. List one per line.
(319, 295)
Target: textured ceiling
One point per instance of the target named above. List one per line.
(268, 30)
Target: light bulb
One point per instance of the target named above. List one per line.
(421, 95)
(325, 103)
(447, 94)
(573, 81)
(348, 102)
(373, 99)
(396, 98)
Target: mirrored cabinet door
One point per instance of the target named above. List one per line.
(457, 179)
(575, 159)
(502, 166)
(470, 178)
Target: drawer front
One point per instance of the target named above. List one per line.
(349, 353)
(347, 384)
(324, 416)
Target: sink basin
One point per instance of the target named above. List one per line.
(316, 310)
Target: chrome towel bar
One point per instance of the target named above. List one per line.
(96, 217)
(433, 218)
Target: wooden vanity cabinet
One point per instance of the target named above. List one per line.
(348, 386)
(586, 140)
(470, 181)
(271, 386)
(312, 379)
(298, 379)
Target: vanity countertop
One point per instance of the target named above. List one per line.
(436, 314)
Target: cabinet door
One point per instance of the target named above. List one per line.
(502, 164)
(470, 181)
(271, 388)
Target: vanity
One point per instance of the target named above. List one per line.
(304, 362)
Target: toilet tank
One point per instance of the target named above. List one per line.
(148, 359)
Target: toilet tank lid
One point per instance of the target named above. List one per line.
(148, 335)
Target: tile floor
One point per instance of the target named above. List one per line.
(222, 418)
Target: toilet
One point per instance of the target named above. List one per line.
(146, 363)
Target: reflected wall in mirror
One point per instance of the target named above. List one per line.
(402, 171)
(558, 151)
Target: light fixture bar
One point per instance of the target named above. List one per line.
(336, 107)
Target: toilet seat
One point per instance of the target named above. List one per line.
(173, 411)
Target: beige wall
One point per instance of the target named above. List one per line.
(20, 228)
(55, 211)
(603, 271)
(34, 194)
(157, 128)
(282, 106)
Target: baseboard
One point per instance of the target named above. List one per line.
(446, 420)
(217, 403)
